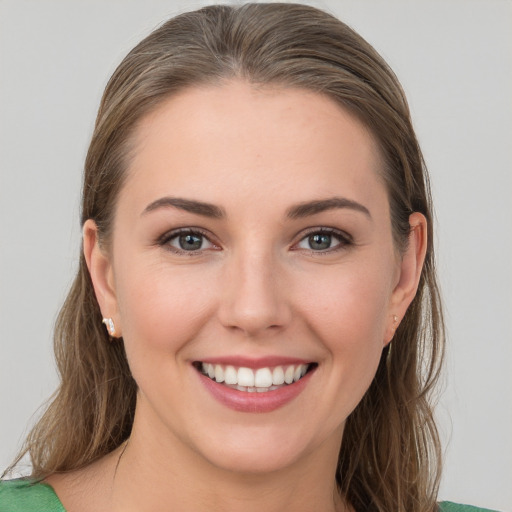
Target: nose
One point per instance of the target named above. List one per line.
(254, 299)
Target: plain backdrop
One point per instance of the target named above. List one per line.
(454, 59)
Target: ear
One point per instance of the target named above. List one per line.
(101, 272)
(411, 265)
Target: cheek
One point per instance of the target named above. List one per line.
(348, 312)
(350, 321)
(349, 305)
(162, 308)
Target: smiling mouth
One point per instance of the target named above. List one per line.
(258, 380)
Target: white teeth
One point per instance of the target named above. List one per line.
(219, 373)
(288, 374)
(299, 372)
(245, 377)
(263, 378)
(230, 375)
(278, 376)
(249, 380)
(254, 389)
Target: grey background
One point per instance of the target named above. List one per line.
(454, 59)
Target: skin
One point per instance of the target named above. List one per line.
(255, 288)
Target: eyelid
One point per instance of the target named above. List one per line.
(344, 238)
(164, 239)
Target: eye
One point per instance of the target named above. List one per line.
(189, 241)
(323, 241)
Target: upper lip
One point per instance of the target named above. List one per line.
(254, 362)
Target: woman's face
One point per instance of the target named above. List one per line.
(251, 242)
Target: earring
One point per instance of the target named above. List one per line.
(111, 328)
(390, 343)
(395, 324)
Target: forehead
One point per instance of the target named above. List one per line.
(254, 143)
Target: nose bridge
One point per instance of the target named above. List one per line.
(253, 300)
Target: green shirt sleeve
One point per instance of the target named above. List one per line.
(448, 506)
(25, 496)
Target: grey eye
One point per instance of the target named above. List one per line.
(187, 241)
(190, 241)
(320, 241)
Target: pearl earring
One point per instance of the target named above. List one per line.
(395, 324)
(111, 328)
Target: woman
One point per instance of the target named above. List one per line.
(255, 322)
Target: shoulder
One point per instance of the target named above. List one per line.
(448, 506)
(22, 495)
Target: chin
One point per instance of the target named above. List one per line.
(265, 449)
(255, 460)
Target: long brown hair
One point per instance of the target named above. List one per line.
(390, 455)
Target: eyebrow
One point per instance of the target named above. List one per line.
(298, 211)
(188, 205)
(313, 207)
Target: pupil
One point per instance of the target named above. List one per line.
(320, 241)
(190, 242)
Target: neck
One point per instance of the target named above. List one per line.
(171, 476)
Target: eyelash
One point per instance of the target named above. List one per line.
(165, 239)
(344, 240)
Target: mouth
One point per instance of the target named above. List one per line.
(254, 380)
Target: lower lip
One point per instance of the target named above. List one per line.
(244, 401)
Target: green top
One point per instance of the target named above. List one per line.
(448, 506)
(23, 496)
